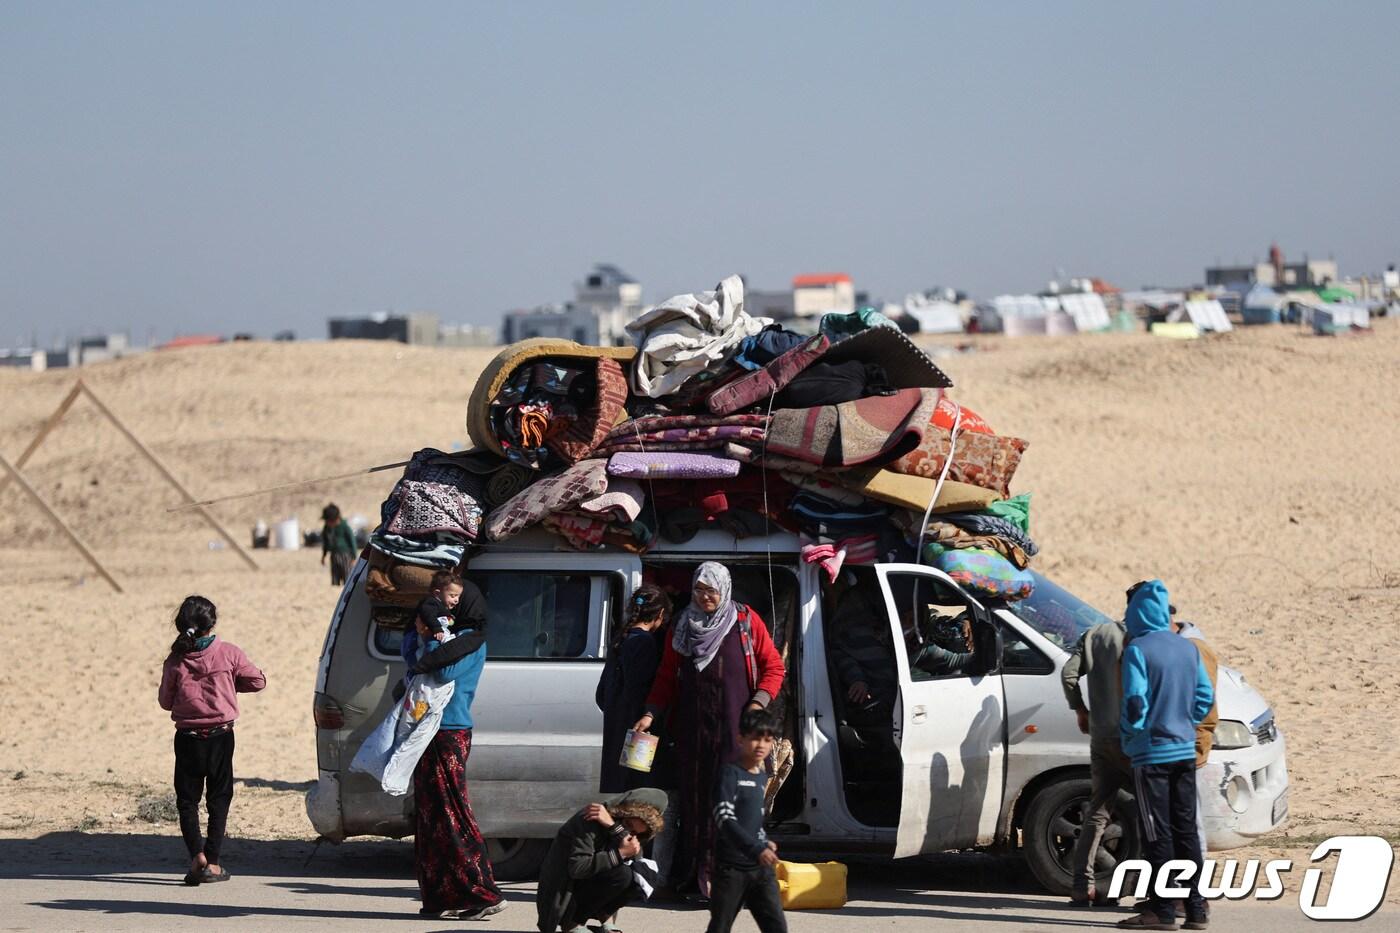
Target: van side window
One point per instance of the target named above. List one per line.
(938, 626)
(530, 615)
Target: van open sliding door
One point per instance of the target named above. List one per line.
(951, 718)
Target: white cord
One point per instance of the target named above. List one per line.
(938, 486)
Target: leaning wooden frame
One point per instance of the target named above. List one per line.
(14, 471)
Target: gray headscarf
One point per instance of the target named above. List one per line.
(698, 634)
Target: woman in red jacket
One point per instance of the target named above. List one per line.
(718, 661)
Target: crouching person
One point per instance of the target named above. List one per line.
(594, 866)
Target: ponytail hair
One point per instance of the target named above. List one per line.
(194, 620)
(646, 603)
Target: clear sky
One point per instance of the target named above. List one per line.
(254, 166)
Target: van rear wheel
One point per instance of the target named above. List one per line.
(1052, 826)
(515, 858)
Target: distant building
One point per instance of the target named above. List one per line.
(1276, 273)
(604, 302)
(88, 350)
(25, 358)
(405, 328)
(814, 295)
(466, 335)
(777, 305)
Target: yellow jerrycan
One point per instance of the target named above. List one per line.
(820, 886)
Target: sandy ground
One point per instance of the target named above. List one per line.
(1254, 472)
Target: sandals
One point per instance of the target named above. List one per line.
(193, 878)
(208, 877)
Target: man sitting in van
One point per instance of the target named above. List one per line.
(863, 658)
(943, 643)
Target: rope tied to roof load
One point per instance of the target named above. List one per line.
(938, 486)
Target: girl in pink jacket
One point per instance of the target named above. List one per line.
(199, 686)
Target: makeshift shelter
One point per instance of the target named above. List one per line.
(1262, 305)
(1207, 315)
(1337, 318)
(935, 317)
(1087, 309)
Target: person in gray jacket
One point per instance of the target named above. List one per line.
(594, 865)
(1097, 658)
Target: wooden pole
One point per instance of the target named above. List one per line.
(49, 425)
(285, 486)
(33, 493)
(170, 477)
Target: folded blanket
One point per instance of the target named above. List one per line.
(441, 551)
(986, 460)
(822, 485)
(581, 531)
(671, 465)
(868, 431)
(984, 524)
(950, 537)
(649, 423)
(683, 432)
(395, 583)
(769, 380)
(829, 556)
(426, 508)
(576, 438)
(622, 501)
(986, 572)
(914, 492)
(583, 480)
(821, 516)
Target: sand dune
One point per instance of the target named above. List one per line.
(1254, 472)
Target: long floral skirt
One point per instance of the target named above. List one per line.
(453, 870)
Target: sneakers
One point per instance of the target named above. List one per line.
(1146, 921)
(1198, 922)
(466, 913)
(482, 913)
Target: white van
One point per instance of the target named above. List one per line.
(986, 759)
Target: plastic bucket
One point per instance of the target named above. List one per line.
(287, 535)
(638, 751)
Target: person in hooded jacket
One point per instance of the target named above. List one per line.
(719, 661)
(595, 864)
(199, 686)
(1167, 692)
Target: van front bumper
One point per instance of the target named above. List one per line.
(1244, 794)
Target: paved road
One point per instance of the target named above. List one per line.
(74, 881)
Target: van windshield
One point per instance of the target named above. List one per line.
(1056, 613)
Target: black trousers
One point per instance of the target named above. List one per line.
(601, 896)
(203, 767)
(754, 888)
(1166, 799)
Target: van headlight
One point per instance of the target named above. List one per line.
(1231, 733)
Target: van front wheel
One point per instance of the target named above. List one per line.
(514, 858)
(1051, 828)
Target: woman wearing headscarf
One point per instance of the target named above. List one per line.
(718, 661)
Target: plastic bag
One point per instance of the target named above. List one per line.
(378, 746)
(420, 714)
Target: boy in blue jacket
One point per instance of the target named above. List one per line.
(1166, 692)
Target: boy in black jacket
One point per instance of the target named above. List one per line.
(744, 858)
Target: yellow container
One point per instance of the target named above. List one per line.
(812, 887)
